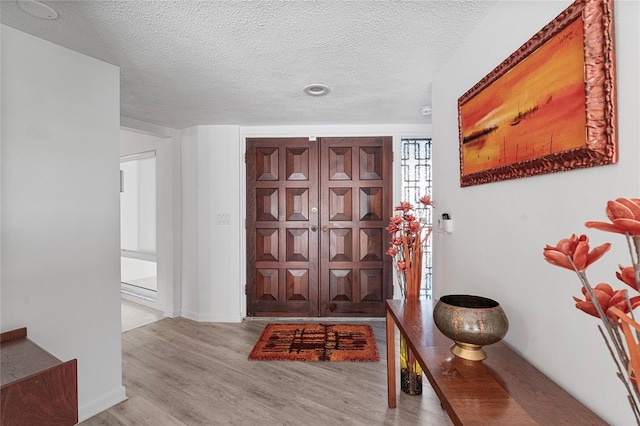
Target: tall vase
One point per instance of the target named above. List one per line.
(410, 371)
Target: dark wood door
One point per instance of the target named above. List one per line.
(316, 213)
(355, 275)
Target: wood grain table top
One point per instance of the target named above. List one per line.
(502, 389)
(21, 357)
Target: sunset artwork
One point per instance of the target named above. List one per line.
(535, 109)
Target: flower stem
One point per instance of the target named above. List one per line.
(635, 261)
(605, 319)
(621, 375)
(614, 339)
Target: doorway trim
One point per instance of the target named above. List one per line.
(128, 289)
(168, 219)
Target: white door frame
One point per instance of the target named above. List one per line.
(137, 137)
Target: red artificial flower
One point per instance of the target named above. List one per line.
(607, 298)
(624, 213)
(409, 217)
(628, 276)
(392, 228)
(405, 230)
(394, 224)
(396, 220)
(578, 249)
(426, 200)
(403, 206)
(413, 226)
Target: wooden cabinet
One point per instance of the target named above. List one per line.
(36, 387)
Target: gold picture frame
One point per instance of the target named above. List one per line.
(549, 107)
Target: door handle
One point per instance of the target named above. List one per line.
(325, 228)
(314, 228)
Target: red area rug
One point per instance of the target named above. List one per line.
(316, 342)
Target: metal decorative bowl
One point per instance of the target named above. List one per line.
(471, 322)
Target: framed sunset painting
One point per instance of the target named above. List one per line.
(549, 107)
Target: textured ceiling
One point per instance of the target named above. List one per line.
(185, 63)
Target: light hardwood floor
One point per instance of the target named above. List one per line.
(181, 372)
(135, 315)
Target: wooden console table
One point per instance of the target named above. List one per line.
(503, 389)
(37, 388)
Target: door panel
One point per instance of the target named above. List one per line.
(316, 213)
(355, 276)
(282, 176)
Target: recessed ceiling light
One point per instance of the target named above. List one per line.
(37, 9)
(316, 89)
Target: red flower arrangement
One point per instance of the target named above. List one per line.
(406, 250)
(406, 246)
(613, 307)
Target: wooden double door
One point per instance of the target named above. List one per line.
(316, 218)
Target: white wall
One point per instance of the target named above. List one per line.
(60, 216)
(210, 186)
(500, 229)
(189, 222)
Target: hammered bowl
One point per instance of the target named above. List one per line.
(471, 322)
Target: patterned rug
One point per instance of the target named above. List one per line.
(316, 342)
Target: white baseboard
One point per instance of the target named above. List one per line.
(193, 316)
(99, 405)
(208, 317)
